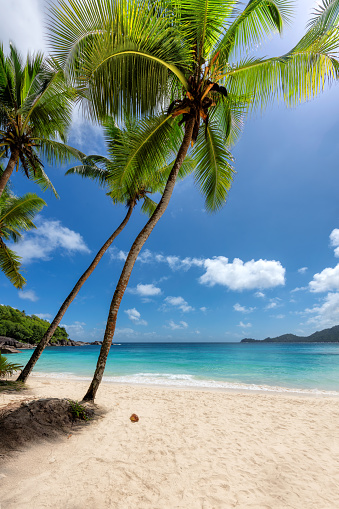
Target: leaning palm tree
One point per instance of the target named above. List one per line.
(195, 55)
(126, 148)
(35, 110)
(16, 217)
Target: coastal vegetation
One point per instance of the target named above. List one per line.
(195, 58)
(17, 325)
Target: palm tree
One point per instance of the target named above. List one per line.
(126, 148)
(138, 53)
(35, 110)
(16, 215)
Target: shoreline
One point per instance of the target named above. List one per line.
(207, 385)
(191, 448)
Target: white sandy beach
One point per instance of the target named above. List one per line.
(190, 449)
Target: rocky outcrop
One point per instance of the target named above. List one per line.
(8, 349)
(10, 343)
(5, 341)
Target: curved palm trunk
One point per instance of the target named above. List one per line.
(130, 261)
(50, 331)
(8, 171)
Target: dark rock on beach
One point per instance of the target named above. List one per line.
(9, 345)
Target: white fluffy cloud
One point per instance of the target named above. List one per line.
(334, 238)
(326, 314)
(302, 270)
(236, 275)
(28, 295)
(242, 309)
(44, 316)
(146, 256)
(328, 279)
(180, 303)
(175, 326)
(148, 290)
(260, 295)
(76, 331)
(24, 30)
(135, 316)
(125, 330)
(47, 238)
(244, 325)
(271, 305)
(325, 281)
(239, 276)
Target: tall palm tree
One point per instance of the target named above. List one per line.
(16, 217)
(138, 53)
(127, 147)
(35, 110)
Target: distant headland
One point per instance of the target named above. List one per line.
(324, 336)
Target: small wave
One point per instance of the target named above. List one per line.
(188, 381)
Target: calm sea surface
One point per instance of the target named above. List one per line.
(283, 367)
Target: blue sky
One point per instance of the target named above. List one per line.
(265, 265)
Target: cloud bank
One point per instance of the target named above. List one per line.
(49, 237)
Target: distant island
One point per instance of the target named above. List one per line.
(324, 336)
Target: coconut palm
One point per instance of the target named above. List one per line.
(16, 215)
(127, 147)
(35, 110)
(139, 54)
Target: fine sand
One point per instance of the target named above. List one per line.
(190, 449)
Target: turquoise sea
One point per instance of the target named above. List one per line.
(311, 367)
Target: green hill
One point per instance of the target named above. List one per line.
(324, 336)
(17, 325)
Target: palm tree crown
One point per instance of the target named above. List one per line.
(135, 168)
(35, 110)
(195, 56)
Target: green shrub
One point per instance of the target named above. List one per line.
(78, 411)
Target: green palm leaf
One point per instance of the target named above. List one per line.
(97, 39)
(326, 14)
(10, 264)
(16, 216)
(213, 173)
(259, 19)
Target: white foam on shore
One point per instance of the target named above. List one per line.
(183, 380)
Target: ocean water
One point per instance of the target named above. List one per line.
(285, 367)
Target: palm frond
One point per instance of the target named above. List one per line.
(143, 150)
(213, 173)
(259, 19)
(325, 14)
(93, 167)
(57, 152)
(16, 214)
(148, 206)
(10, 265)
(135, 44)
(202, 23)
